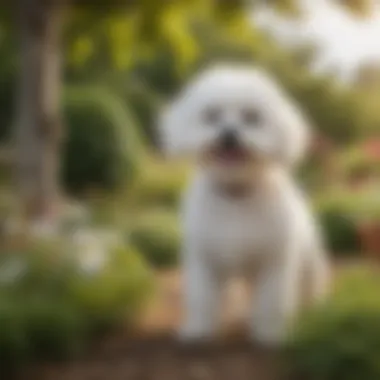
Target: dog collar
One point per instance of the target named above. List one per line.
(234, 191)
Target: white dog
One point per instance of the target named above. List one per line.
(243, 213)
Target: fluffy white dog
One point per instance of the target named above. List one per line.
(243, 213)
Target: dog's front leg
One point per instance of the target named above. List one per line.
(277, 299)
(201, 299)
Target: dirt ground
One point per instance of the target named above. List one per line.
(164, 359)
(152, 352)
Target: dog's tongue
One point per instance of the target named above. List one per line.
(232, 155)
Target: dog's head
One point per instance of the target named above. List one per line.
(234, 118)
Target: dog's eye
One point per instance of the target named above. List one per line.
(251, 117)
(212, 115)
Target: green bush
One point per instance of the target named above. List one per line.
(14, 347)
(38, 327)
(115, 293)
(357, 163)
(145, 104)
(7, 95)
(37, 318)
(157, 236)
(54, 329)
(103, 148)
(339, 231)
(160, 184)
(343, 213)
(341, 339)
(8, 81)
(51, 307)
(366, 205)
(338, 225)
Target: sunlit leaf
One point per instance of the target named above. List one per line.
(288, 7)
(81, 50)
(122, 34)
(175, 29)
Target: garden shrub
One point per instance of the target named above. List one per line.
(340, 340)
(13, 340)
(103, 148)
(365, 206)
(113, 294)
(345, 214)
(358, 163)
(38, 327)
(38, 320)
(7, 93)
(54, 329)
(156, 234)
(160, 184)
(52, 307)
(8, 82)
(340, 232)
(145, 104)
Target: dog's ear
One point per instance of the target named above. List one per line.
(171, 128)
(178, 121)
(292, 125)
(178, 127)
(296, 133)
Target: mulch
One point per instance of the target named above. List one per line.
(164, 358)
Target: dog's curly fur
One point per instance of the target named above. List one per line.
(243, 213)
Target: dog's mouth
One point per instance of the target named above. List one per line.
(230, 155)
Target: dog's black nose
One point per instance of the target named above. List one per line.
(229, 140)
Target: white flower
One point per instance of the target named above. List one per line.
(92, 247)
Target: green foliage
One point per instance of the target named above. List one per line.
(357, 163)
(340, 340)
(130, 34)
(338, 112)
(366, 205)
(7, 81)
(51, 306)
(338, 225)
(143, 101)
(146, 108)
(103, 148)
(160, 184)
(54, 330)
(343, 213)
(113, 295)
(163, 46)
(13, 342)
(156, 234)
(38, 320)
(7, 87)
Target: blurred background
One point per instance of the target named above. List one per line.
(89, 232)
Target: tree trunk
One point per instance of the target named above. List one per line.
(39, 128)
